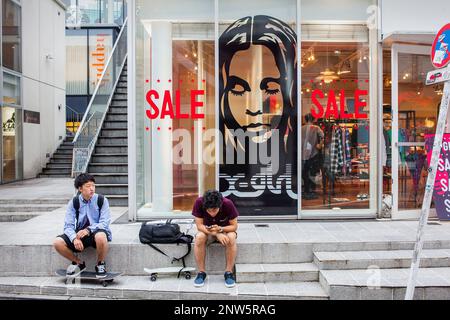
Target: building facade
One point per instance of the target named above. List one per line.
(33, 90)
(323, 101)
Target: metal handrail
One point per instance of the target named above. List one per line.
(99, 104)
(101, 80)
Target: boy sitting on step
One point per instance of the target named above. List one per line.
(86, 225)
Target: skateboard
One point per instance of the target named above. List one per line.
(89, 275)
(187, 272)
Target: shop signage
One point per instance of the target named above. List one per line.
(440, 51)
(441, 192)
(166, 108)
(256, 186)
(437, 76)
(332, 110)
(31, 117)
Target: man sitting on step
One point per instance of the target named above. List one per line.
(216, 219)
(86, 225)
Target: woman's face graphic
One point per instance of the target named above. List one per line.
(254, 92)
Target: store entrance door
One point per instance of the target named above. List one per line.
(414, 115)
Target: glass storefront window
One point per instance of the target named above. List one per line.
(255, 90)
(335, 119)
(11, 35)
(89, 12)
(77, 61)
(175, 54)
(258, 106)
(11, 144)
(11, 89)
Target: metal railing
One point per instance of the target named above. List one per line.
(91, 125)
(73, 120)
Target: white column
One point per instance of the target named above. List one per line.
(162, 164)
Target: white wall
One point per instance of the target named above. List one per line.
(43, 84)
(414, 16)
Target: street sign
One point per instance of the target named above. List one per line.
(440, 57)
(438, 76)
(440, 51)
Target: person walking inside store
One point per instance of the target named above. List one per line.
(312, 144)
(216, 219)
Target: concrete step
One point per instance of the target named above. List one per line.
(108, 168)
(116, 117)
(67, 161)
(115, 124)
(130, 256)
(111, 178)
(65, 147)
(123, 79)
(111, 149)
(109, 158)
(59, 171)
(118, 200)
(28, 207)
(56, 201)
(282, 272)
(122, 84)
(112, 189)
(382, 259)
(113, 133)
(67, 144)
(63, 152)
(118, 110)
(117, 97)
(41, 175)
(59, 165)
(385, 284)
(62, 156)
(118, 103)
(139, 287)
(17, 216)
(112, 141)
(121, 90)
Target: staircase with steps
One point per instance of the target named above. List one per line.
(323, 267)
(60, 164)
(109, 161)
(12, 210)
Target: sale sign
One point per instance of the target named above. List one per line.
(441, 194)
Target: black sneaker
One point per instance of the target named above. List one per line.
(100, 270)
(74, 269)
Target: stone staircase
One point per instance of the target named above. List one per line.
(109, 161)
(320, 268)
(13, 210)
(60, 164)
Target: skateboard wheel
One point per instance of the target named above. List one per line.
(73, 281)
(187, 275)
(105, 284)
(153, 277)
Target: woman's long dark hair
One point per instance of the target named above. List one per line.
(280, 39)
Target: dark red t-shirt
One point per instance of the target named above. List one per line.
(226, 213)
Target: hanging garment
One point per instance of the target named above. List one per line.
(336, 153)
(415, 163)
(348, 155)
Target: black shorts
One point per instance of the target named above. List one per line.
(88, 241)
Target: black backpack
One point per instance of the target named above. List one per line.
(76, 206)
(165, 233)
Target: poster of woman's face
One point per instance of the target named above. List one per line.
(258, 100)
